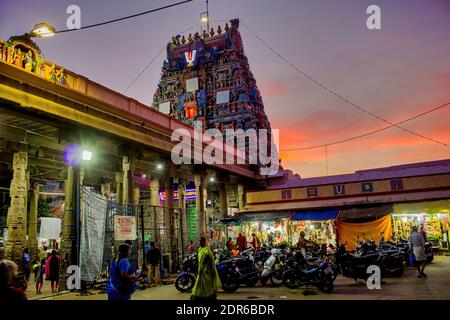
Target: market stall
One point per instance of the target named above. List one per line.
(319, 226)
(271, 228)
(432, 215)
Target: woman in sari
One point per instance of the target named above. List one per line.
(207, 283)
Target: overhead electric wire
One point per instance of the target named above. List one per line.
(125, 18)
(371, 132)
(332, 92)
(153, 60)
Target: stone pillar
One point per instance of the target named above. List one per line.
(156, 212)
(128, 179)
(223, 198)
(69, 229)
(106, 190)
(183, 216)
(241, 197)
(32, 227)
(169, 223)
(119, 187)
(27, 180)
(199, 204)
(16, 219)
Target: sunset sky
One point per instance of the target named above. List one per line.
(396, 72)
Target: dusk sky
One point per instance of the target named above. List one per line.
(396, 72)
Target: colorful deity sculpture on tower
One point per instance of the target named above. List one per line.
(207, 78)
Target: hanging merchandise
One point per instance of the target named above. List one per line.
(433, 216)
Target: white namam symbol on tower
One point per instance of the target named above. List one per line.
(190, 57)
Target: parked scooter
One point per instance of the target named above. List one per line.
(274, 268)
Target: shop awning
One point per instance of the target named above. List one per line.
(438, 206)
(364, 212)
(264, 216)
(316, 215)
(228, 220)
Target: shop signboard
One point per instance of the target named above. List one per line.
(124, 228)
(312, 192)
(366, 187)
(339, 189)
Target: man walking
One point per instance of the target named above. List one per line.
(417, 247)
(154, 261)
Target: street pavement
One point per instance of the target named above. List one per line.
(409, 286)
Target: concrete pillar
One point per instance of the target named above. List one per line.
(16, 218)
(200, 205)
(241, 197)
(32, 227)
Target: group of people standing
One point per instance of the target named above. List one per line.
(241, 243)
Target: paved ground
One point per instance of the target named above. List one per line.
(436, 286)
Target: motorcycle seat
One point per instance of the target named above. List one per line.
(366, 257)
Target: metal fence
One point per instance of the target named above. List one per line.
(162, 225)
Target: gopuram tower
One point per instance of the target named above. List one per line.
(206, 77)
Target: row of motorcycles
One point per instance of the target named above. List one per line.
(316, 266)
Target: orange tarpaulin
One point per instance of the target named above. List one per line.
(348, 233)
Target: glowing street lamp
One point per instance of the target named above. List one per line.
(204, 17)
(87, 155)
(159, 166)
(42, 30)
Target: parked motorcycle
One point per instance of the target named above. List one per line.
(392, 260)
(186, 279)
(300, 274)
(237, 271)
(355, 267)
